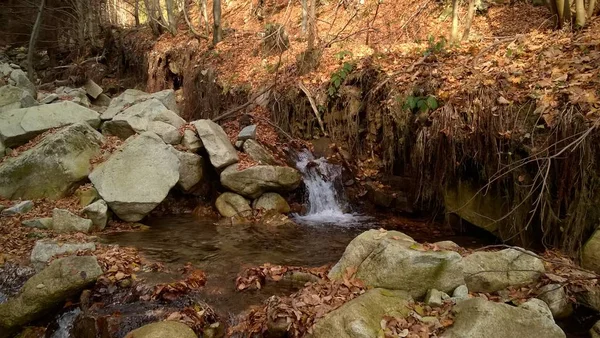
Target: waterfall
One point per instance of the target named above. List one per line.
(65, 324)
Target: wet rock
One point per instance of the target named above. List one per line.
(39, 223)
(65, 221)
(538, 306)
(248, 133)
(19, 208)
(229, 205)
(478, 318)
(47, 290)
(133, 96)
(49, 98)
(272, 201)
(136, 179)
(87, 196)
(191, 141)
(165, 131)
(392, 260)
(22, 81)
(53, 167)
(44, 250)
(590, 255)
(97, 212)
(361, 317)
(494, 271)
(20, 125)
(255, 181)
(191, 170)
(555, 297)
(92, 89)
(258, 153)
(162, 330)
(220, 151)
(12, 97)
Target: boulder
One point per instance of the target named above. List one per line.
(191, 141)
(166, 132)
(220, 151)
(479, 318)
(361, 317)
(258, 152)
(191, 169)
(590, 255)
(22, 81)
(49, 98)
(53, 167)
(78, 96)
(12, 97)
(97, 212)
(393, 260)
(102, 100)
(92, 89)
(20, 125)
(435, 297)
(255, 181)
(2, 149)
(229, 205)
(248, 133)
(460, 293)
(65, 221)
(494, 271)
(134, 180)
(39, 223)
(19, 208)
(5, 69)
(556, 298)
(44, 250)
(87, 196)
(48, 290)
(133, 96)
(272, 201)
(164, 329)
(538, 306)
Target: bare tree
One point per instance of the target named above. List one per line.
(35, 32)
(204, 11)
(217, 29)
(171, 17)
(304, 16)
(580, 13)
(312, 24)
(454, 36)
(136, 12)
(591, 8)
(470, 15)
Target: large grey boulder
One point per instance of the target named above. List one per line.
(20, 125)
(133, 96)
(393, 260)
(191, 141)
(494, 271)
(221, 152)
(22, 81)
(165, 131)
(191, 169)
(229, 205)
(271, 201)
(44, 250)
(53, 167)
(258, 153)
(479, 318)
(12, 97)
(164, 329)
(254, 181)
(97, 212)
(134, 180)
(361, 317)
(555, 296)
(65, 221)
(48, 290)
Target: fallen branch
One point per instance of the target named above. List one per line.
(313, 105)
(235, 110)
(187, 20)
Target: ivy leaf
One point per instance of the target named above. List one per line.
(411, 101)
(423, 107)
(432, 102)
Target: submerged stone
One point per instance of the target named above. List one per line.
(164, 329)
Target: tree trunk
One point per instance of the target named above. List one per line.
(172, 24)
(591, 8)
(217, 30)
(136, 12)
(151, 15)
(454, 36)
(33, 39)
(304, 16)
(580, 13)
(469, 22)
(567, 12)
(312, 24)
(204, 11)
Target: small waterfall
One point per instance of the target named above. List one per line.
(65, 324)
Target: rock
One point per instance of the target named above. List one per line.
(478, 318)
(87, 196)
(435, 297)
(220, 151)
(255, 181)
(97, 212)
(53, 167)
(239, 145)
(2, 149)
(166, 132)
(136, 179)
(379, 196)
(164, 329)
(12, 97)
(133, 96)
(272, 201)
(595, 330)
(19, 208)
(191, 169)
(22, 81)
(447, 245)
(461, 292)
(590, 255)
(78, 96)
(258, 152)
(20, 125)
(49, 98)
(392, 260)
(191, 141)
(65, 221)
(39, 223)
(248, 133)
(102, 100)
(557, 300)
(494, 271)
(361, 317)
(92, 89)
(44, 250)
(538, 306)
(48, 290)
(229, 205)
(5, 69)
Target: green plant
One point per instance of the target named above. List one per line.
(338, 77)
(342, 54)
(421, 103)
(435, 47)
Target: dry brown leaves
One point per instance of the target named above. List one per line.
(194, 280)
(110, 145)
(255, 278)
(32, 143)
(424, 321)
(118, 264)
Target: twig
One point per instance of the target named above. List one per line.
(313, 105)
(273, 125)
(234, 110)
(187, 20)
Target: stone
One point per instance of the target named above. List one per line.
(272, 201)
(87, 196)
(44, 250)
(248, 133)
(39, 223)
(134, 180)
(379, 196)
(595, 330)
(52, 168)
(447, 245)
(361, 317)
(557, 300)
(20, 125)
(590, 255)
(255, 181)
(258, 153)
(47, 291)
(5, 69)
(49, 98)
(229, 205)
(133, 96)
(65, 221)
(461, 292)
(239, 145)
(92, 89)
(191, 141)
(220, 151)
(191, 170)
(393, 260)
(163, 329)
(494, 271)
(97, 212)
(435, 297)
(102, 100)
(479, 318)
(168, 133)
(2, 149)
(12, 97)
(78, 96)
(19, 208)
(22, 81)
(538, 306)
